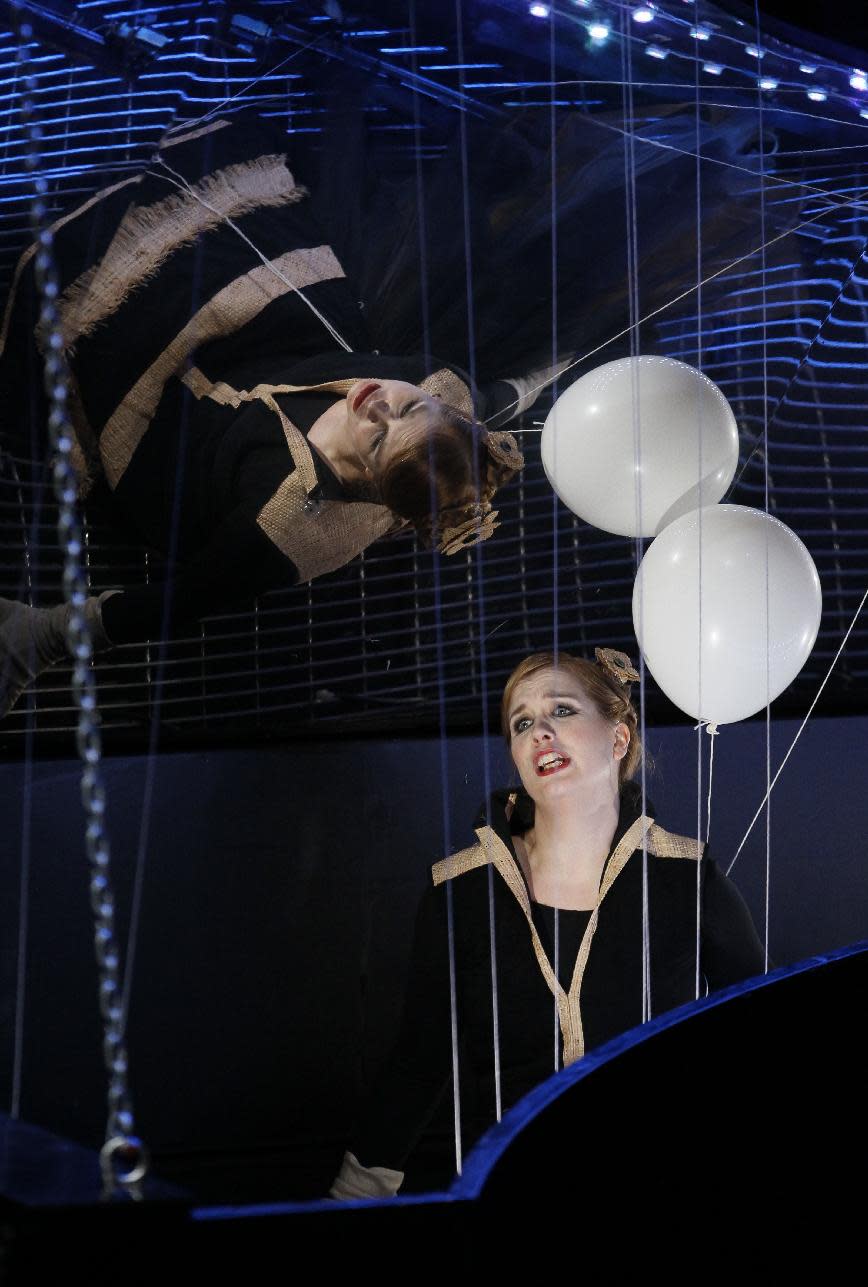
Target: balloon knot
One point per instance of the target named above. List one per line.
(708, 725)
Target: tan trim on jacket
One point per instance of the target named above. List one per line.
(643, 834)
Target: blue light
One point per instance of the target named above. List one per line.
(817, 95)
(539, 11)
(859, 80)
(458, 66)
(645, 13)
(654, 51)
(807, 68)
(713, 69)
(700, 33)
(413, 49)
(768, 82)
(599, 31)
(753, 51)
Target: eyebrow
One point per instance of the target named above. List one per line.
(559, 696)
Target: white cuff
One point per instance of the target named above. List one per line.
(356, 1181)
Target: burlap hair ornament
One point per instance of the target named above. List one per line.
(463, 526)
(617, 664)
(503, 448)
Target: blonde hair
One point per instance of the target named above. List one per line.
(610, 696)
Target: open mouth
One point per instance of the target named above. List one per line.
(551, 762)
(363, 394)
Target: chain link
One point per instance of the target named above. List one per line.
(123, 1159)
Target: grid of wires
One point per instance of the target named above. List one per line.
(392, 641)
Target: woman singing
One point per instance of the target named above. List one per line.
(566, 858)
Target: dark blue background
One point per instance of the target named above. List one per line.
(278, 891)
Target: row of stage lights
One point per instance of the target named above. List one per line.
(599, 32)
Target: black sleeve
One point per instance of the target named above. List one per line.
(731, 948)
(418, 1071)
(237, 564)
(496, 404)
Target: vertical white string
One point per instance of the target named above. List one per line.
(556, 622)
(631, 217)
(477, 557)
(700, 474)
(712, 730)
(765, 439)
(30, 539)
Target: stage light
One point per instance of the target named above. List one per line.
(859, 80)
(807, 68)
(754, 51)
(768, 82)
(539, 11)
(863, 112)
(699, 33)
(645, 13)
(817, 95)
(598, 31)
(713, 69)
(654, 51)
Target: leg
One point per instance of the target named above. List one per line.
(32, 639)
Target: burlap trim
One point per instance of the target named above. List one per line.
(665, 844)
(227, 396)
(201, 386)
(457, 864)
(28, 254)
(149, 235)
(323, 536)
(229, 310)
(448, 386)
(492, 849)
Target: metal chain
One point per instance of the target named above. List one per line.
(123, 1158)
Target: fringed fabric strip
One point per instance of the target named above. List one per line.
(149, 235)
(229, 310)
(28, 254)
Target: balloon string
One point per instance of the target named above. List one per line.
(699, 355)
(801, 729)
(765, 442)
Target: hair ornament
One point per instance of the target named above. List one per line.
(503, 449)
(617, 665)
(464, 525)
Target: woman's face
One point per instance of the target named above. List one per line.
(386, 418)
(559, 739)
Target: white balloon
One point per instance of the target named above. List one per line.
(726, 608)
(637, 442)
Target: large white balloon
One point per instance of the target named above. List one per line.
(637, 442)
(700, 613)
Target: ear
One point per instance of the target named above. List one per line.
(622, 741)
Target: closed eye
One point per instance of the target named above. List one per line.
(407, 408)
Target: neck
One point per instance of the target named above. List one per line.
(330, 436)
(565, 851)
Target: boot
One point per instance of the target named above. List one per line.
(32, 639)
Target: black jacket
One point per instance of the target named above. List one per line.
(485, 884)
